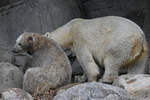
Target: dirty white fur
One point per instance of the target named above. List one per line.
(109, 40)
(17, 46)
(19, 38)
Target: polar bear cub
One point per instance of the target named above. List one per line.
(114, 42)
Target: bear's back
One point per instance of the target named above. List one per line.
(97, 31)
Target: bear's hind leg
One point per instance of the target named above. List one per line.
(111, 69)
(87, 62)
(138, 67)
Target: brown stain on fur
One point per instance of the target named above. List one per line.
(143, 53)
(39, 41)
(134, 48)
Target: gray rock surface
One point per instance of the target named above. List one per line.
(52, 67)
(65, 87)
(94, 91)
(15, 94)
(10, 76)
(148, 66)
(6, 55)
(136, 85)
(146, 26)
(6, 2)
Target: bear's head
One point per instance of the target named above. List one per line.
(27, 42)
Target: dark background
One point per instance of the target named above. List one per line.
(17, 16)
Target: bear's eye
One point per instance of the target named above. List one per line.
(20, 44)
(46, 35)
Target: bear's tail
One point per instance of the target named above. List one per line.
(141, 52)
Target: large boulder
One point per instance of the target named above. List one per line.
(136, 85)
(6, 55)
(15, 94)
(10, 76)
(94, 91)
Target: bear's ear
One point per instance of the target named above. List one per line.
(30, 39)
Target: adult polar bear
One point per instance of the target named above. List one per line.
(114, 42)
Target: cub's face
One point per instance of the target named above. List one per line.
(24, 43)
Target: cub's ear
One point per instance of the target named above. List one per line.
(30, 39)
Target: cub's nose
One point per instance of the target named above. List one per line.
(14, 50)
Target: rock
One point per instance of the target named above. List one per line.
(15, 94)
(10, 76)
(6, 55)
(137, 85)
(146, 26)
(51, 67)
(7, 2)
(65, 87)
(47, 94)
(94, 91)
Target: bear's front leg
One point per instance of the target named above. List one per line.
(87, 62)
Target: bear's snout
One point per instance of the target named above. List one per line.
(17, 49)
(14, 50)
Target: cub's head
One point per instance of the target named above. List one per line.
(27, 42)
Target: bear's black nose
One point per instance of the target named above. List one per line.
(14, 50)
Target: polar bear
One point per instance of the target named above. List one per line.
(114, 42)
(49, 63)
